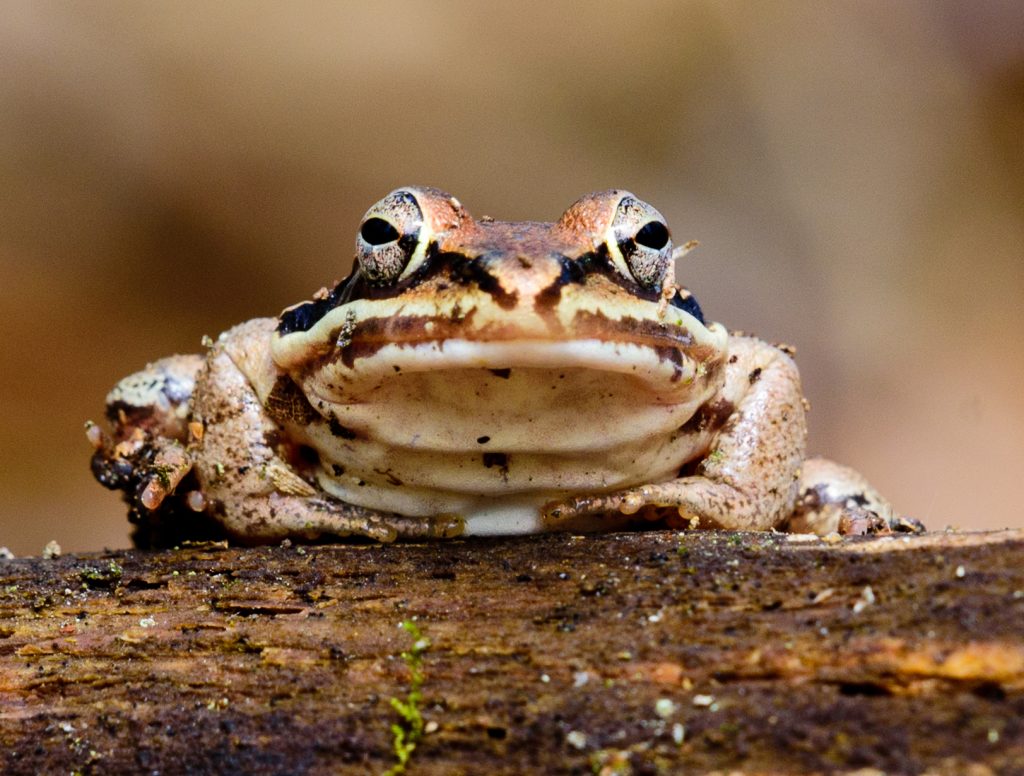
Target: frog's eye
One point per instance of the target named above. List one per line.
(392, 238)
(639, 243)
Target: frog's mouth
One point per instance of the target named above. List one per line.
(593, 339)
(358, 348)
(425, 399)
(668, 360)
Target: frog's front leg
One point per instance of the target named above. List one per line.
(256, 479)
(748, 478)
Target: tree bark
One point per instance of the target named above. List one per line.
(640, 652)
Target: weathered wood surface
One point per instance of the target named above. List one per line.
(644, 652)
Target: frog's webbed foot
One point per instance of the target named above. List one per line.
(155, 475)
(835, 498)
(831, 498)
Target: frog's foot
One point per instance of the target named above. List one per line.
(157, 482)
(835, 498)
(313, 518)
(688, 502)
(146, 468)
(747, 481)
(145, 456)
(443, 526)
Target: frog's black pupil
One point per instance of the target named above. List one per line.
(653, 235)
(377, 231)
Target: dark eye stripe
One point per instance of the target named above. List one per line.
(304, 316)
(688, 303)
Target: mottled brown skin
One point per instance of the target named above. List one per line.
(270, 497)
(749, 478)
(424, 397)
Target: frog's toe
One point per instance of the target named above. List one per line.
(836, 498)
(146, 469)
(370, 528)
(110, 470)
(686, 503)
(442, 526)
(610, 504)
(904, 524)
(857, 521)
(168, 467)
(386, 528)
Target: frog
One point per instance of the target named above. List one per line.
(479, 377)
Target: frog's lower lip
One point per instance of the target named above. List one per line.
(514, 347)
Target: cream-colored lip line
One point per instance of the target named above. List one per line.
(653, 343)
(592, 353)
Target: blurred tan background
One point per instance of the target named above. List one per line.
(853, 170)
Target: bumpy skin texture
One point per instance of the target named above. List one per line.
(242, 475)
(479, 377)
(265, 497)
(749, 479)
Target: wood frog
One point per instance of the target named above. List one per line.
(473, 376)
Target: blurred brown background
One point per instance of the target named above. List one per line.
(853, 170)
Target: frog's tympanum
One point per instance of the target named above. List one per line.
(479, 377)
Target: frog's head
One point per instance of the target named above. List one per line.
(433, 289)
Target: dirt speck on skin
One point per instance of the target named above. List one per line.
(655, 651)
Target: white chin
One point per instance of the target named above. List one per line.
(511, 516)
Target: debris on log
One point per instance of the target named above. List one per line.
(651, 652)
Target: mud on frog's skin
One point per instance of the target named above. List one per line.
(478, 377)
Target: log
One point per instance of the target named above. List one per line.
(650, 652)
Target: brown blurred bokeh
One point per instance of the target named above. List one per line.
(854, 172)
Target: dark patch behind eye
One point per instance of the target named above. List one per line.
(687, 302)
(377, 231)
(304, 316)
(653, 235)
